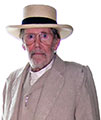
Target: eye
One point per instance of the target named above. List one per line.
(44, 35)
(30, 36)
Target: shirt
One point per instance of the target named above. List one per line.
(36, 75)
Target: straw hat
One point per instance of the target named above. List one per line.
(40, 16)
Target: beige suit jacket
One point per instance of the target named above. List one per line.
(69, 94)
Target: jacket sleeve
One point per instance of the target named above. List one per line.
(4, 92)
(87, 103)
(7, 92)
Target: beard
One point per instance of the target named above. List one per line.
(37, 64)
(39, 59)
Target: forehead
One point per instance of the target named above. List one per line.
(37, 30)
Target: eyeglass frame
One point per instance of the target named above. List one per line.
(54, 31)
(42, 40)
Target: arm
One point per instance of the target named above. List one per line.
(4, 92)
(87, 103)
(7, 94)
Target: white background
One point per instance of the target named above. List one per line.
(83, 46)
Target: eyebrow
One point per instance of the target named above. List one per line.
(37, 33)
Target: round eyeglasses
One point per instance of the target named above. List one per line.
(30, 38)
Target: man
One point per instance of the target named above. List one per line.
(47, 88)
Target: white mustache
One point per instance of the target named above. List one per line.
(37, 52)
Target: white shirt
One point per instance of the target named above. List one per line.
(36, 75)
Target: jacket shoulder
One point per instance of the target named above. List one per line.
(12, 76)
(74, 66)
(78, 69)
(77, 73)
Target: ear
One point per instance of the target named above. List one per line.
(23, 46)
(56, 43)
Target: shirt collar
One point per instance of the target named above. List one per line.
(42, 71)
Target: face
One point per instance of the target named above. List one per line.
(40, 44)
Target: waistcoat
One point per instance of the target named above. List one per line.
(31, 96)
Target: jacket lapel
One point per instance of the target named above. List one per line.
(13, 110)
(51, 90)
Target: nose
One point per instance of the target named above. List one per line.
(37, 41)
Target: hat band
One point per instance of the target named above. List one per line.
(38, 20)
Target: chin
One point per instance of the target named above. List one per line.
(38, 64)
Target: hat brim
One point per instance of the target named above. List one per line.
(64, 30)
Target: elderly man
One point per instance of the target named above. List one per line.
(47, 88)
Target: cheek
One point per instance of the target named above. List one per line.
(30, 48)
(49, 52)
